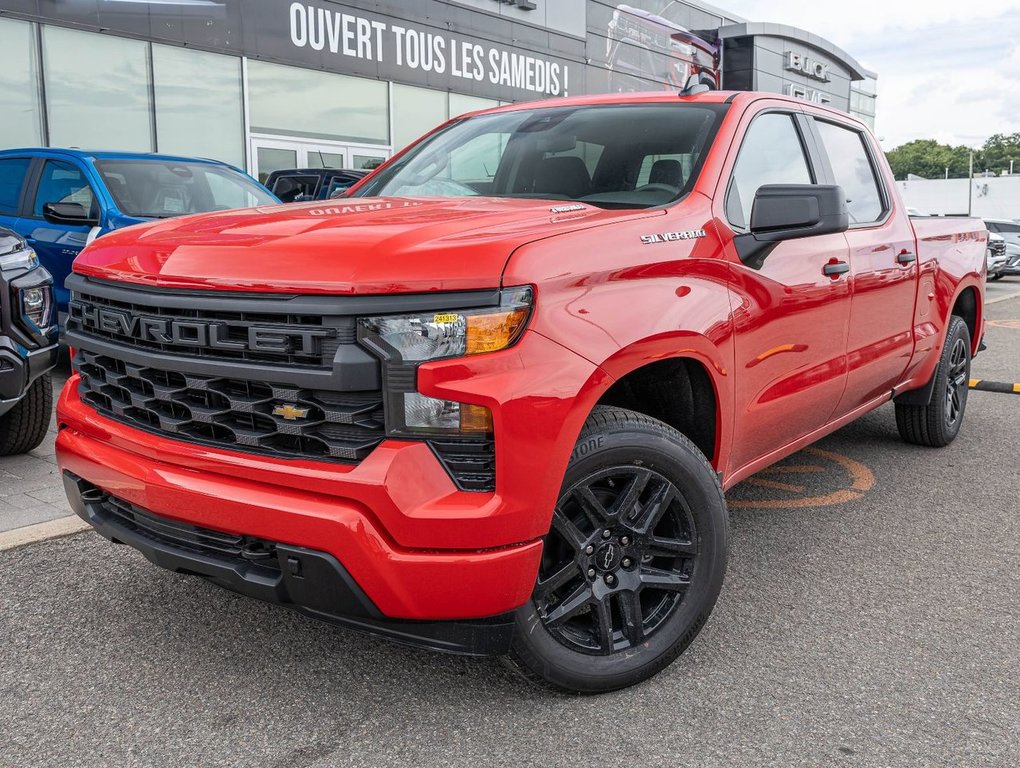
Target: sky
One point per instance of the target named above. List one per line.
(947, 69)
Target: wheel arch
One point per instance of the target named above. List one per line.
(696, 406)
(967, 305)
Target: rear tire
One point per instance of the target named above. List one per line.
(24, 426)
(633, 563)
(938, 423)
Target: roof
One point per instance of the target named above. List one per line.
(662, 97)
(106, 155)
(648, 97)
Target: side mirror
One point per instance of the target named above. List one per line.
(73, 214)
(789, 211)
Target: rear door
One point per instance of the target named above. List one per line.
(884, 268)
(790, 317)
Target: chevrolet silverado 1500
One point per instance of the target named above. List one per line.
(490, 402)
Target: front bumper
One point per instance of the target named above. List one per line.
(416, 546)
(19, 368)
(312, 582)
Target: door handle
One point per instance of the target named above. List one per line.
(835, 268)
(905, 257)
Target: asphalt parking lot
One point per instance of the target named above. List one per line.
(871, 617)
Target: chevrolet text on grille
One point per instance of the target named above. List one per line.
(197, 333)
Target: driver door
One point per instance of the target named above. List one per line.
(790, 317)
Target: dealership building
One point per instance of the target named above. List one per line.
(268, 84)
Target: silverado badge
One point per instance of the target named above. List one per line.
(290, 412)
(668, 237)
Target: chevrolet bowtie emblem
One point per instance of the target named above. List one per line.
(290, 412)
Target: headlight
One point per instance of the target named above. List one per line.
(406, 341)
(36, 304)
(437, 335)
(23, 259)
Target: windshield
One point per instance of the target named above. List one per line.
(614, 156)
(157, 189)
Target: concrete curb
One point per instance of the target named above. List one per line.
(51, 529)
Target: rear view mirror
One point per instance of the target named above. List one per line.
(73, 214)
(788, 211)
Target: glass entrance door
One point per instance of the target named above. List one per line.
(273, 154)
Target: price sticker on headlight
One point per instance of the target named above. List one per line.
(449, 317)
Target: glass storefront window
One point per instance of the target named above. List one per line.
(199, 110)
(97, 91)
(269, 159)
(21, 125)
(415, 112)
(459, 104)
(301, 102)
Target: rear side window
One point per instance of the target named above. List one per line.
(853, 170)
(63, 183)
(772, 153)
(12, 176)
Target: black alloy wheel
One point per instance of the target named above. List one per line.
(957, 384)
(619, 558)
(633, 561)
(937, 423)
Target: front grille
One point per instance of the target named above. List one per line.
(302, 341)
(997, 247)
(232, 413)
(471, 463)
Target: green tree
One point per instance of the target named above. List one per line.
(928, 158)
(998, 152)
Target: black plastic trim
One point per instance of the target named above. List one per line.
(309, 581)
(305, 378)
(920, 396)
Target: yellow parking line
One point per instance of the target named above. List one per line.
(973, 383)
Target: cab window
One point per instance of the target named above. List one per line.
(772, 153)
(63, 183)
(854, 171)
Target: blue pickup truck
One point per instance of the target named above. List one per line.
(60, 200)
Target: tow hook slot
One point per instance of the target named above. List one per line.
(93, 496)
(258, 551)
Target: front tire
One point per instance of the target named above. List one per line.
(633, 563)
(938, 423)
(24, 426)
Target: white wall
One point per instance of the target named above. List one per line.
(993, 198)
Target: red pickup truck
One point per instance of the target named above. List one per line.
(489, 404)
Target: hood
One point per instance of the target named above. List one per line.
(10, 241)
(355, 245)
